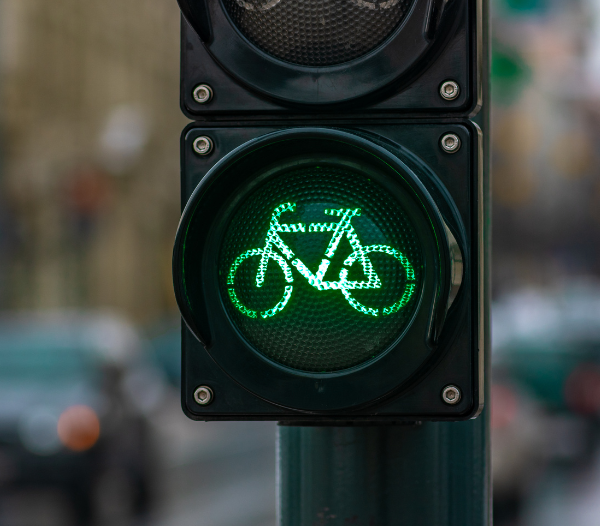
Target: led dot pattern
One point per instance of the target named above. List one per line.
(295, 309)
(317, 32)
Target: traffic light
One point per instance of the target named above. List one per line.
(256, 58)
(328, 263)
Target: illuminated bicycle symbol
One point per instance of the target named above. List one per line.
(340, 229)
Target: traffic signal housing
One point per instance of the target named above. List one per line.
(261, 58)
(329, 262)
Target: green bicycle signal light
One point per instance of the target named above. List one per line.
(345, 288)
(310, 259)
(359, 253)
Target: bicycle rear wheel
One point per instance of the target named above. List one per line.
(409, 288)
(231, 281)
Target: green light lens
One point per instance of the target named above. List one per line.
(320, 268)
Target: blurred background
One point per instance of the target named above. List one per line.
(90, 426)
(546, 264)
(91, 429)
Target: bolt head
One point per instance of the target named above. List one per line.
(450, 143)
(203, 145)
(451, 395)
(202, 93)
(203, 395)
(449, 90)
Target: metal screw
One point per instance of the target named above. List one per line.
(449, 90)
(202, 93)
(203, 395)
(203, 145)
(450, 143)
(451, 394)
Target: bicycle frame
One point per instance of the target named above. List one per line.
(339, 229)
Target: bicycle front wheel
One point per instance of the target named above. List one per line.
(231, 284)
(409, 288)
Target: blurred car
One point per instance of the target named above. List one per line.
(545, 410)
(75, 395)
(549, 342)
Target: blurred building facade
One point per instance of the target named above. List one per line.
(545, 142)
(89, 198)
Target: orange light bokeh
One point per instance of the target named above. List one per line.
(78, 428)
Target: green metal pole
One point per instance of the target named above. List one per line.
(432, 474)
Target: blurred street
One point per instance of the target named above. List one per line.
(213, 474)
(216, 473)
(566, 499)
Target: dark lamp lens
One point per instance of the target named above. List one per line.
(320, 268)
(317, 32)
